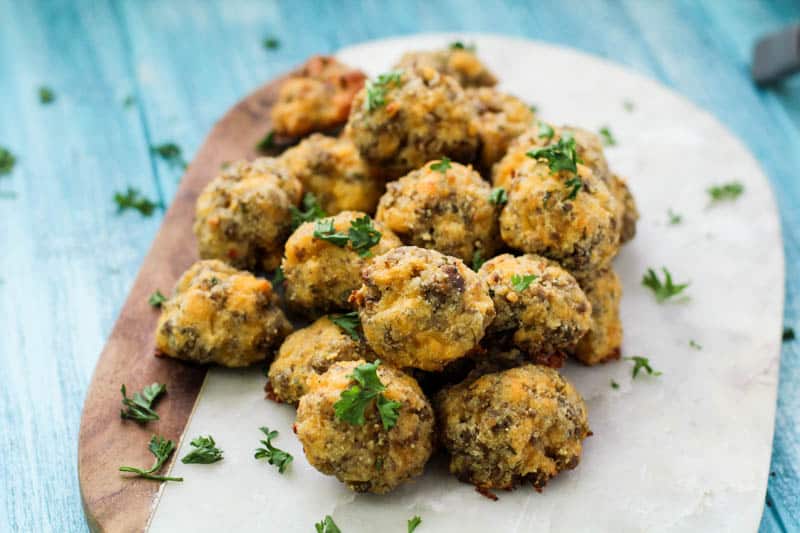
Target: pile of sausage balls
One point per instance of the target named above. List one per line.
(443, 250)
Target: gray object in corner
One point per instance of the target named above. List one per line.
(776, 56)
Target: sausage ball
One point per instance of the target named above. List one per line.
(220, 315)
(316, 98)
(457, 61)
(404, 119)
(444, 206)
(501, 119)
(243, 216)
(310, 352)
(321, 274)
(603, 342)
(368, 457)
(629, 212)
(332, 169)
(420, 308)
(540, 307)
(520, 425)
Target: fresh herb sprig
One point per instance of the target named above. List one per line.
(161, 448)
(354, 401)
(7, 161)
(663, 290)
(442, 165)
(205, 451)
(413, 523)
(267, 143)
(614, 385)
(348, 322)
(140, 407)
(573, 185)
(562, 155)
(311, 211)
(273, 455)
(171, 153)
(361, 235)
(607, 137)
(133, 199)
(674, 218)
(477, 260)
(278, 277)
(270, 43)
(726, 191)
(694, 344)
(46, 95)
(327, 525)
(520, 283)
(459, 45)
(377, 89)
(642, 363)
(498, 196)
(546, 131)
(157, 299)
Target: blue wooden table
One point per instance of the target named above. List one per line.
(131, 74)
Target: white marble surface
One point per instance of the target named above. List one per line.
(688, 451)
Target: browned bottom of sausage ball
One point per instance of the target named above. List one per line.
(526, 424)
(220, 315)
(367, 457)
(603, 342)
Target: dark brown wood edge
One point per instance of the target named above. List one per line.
(110, 501)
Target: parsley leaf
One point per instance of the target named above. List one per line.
(363, 236)
(129, 101)
(442, 165)
(46, 95)
(498, 196)
(458, 45)
(140, 406)
(161, 448)
(348, 322)
(133, 199)
(788, 334)
(520, 283)
(607, 136)
(171, 153)
(727, 191)
(7, 161)
(278, 277)
(562, 155)
(640, 363)
(545, 131)
(156, 299)
(674, 218)
(267, 143)
(354, 401)
(574, 184)
(662, 290)
(413, 523)
(205, 452)
(323, 229)
(271, 43)
(614, 384)
(694, 344)
(477, 260)
(327, 525)
(628, 105)
(274, 456)
(311, 211)
(376, 90)
(534, 108)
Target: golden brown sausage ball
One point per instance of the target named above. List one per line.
(317, 98)
(444, 206)
(404, 119)
(220, 315)
(243, 216)
(332, 169)
(603, 342)
(420, 308)
(521, 425)
(630, 214)
(307, 353)
(540, 307)
(459, 62)
(320, 275)
(368, 457)
(501, 119)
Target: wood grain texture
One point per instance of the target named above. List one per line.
(69, 260)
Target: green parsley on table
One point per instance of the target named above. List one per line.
(663, 290)
(361, 235)
(726, 191)
(133, 199)
(7, 161)
(274, 456)
(267, 143)
(413, 523)
(498, 196)
(46, 95)
(348, 322)
(376, 90)
(607, 137)
(327, 525)
(442, 165)
(354, 401)
(788, 334)
(161, 448)
(674, 218)
(458, 45)
(694, 344)
(129, 101)
(545, 131)
(156, 299)
(642, 363)
(205, 451)
(574, 185)
(477, 260)
(140, 407)
(171, 153)
(311, 211)
(614, 384)
(562, 155)
(520, 283)
(270, 43)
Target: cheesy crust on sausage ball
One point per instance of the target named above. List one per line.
(501, 119)
(366, 457)
(444, 206)
(420, 308)
(404, 119)
(459, 62)
(520, 425)
(629, 213)
(540, 307)
(603, 342)
(322, 262)
(220, 315)
(243, 216)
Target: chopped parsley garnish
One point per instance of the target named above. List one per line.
(498, 196)
(674, 218)
(477, 260)
(46, 95)
(323, 229)
(161, 448)
(458, 45)
(361, 235)
(642, 363)
(562, 155)
(348, 322)
(614, 384)
(574, 185)
(354, 401)
(520, 283)
(533, 108)
(271, 43)
(664, 290)
(788, 334)
(133, 199)
(327, 525)
(376, 90)
(607, 136)
(726, 191)
(171, 153)
(546, 131)
(267, 143)
(442, 165)
(140, 407)
(205, 451)
(278, 277)
(156, 299)
(7, 161)
(129, 101)
(413, 523)
(311, 211)
(628, 105)
(273, 455)
(694, 344)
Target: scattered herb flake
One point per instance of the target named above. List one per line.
(413, 523)
(442, 165)
(133, 199)
(546, 131)
(562, 155)
(46, 95)
(311, 211)
(614, 384)
(140, 407)
(270, 43)
(205, 452)
(788, 334)
(376, 90)
(628, 106)
(129, 101)
(477, 260)
(7, 161)
(640, 363)
(498, 196)
(694, 344)
(161, 448)
(327, 525)
(533, 108)
(607, 136)
(574, 185)
(363, 236)
(726, 191)
(662, 290)
(278, 277)
(674, 218)
(459, 45)
(274, 456)
(348, 322)
(354, 401)
(171, 153)
(267, 143)
(156, 299)
(520, 283)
